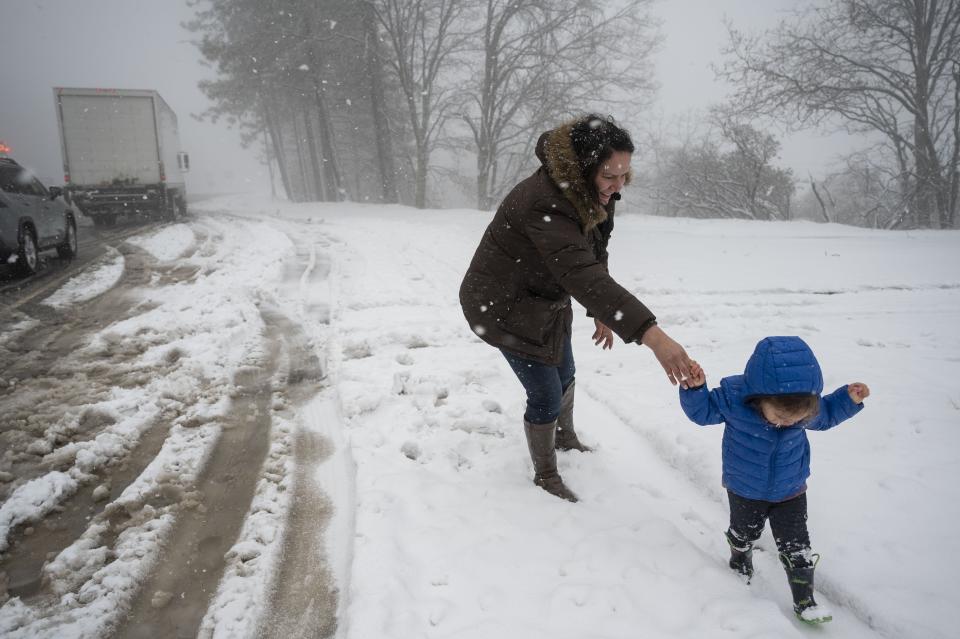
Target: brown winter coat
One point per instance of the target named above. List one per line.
(546, 243)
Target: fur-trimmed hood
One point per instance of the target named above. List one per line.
(544, 245)
(555, 151)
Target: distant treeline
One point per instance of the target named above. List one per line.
(353, 98)
(384, 100)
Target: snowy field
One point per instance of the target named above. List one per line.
(438, 530)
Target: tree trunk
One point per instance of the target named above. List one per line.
(321, 190)
(305, 189)
(277, 142)
(483, 180)
(420, 190)
(423, 153)
(269, 157)
(823, 206)
(381, 123)
(326, 161)
(329, 164)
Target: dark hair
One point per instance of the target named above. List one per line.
(792, 403)
(594, 139)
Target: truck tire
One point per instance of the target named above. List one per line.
(28, 258)
(68, 250)
(171, 211)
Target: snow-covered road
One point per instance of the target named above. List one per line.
(272, 420)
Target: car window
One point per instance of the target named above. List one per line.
(15, 179)
(38, 188)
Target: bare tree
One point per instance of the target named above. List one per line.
(881, 66)
(862, 193)
(378, 103)
(424, 36)
(288, 69)
(765, 191)
(727, 171)
(540, 59)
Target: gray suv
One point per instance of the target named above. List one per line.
(33, 218)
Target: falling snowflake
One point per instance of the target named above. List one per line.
(546, 218)
(479, 330)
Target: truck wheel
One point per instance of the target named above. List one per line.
(68, 250)
(28, 260)
(170, 211)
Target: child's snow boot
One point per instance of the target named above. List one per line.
(566, 434)
(541, 440)
(741, 555)
(800, 575)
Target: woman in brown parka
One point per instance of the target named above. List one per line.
(547, 243)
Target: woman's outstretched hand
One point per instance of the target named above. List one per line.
(603, 335)
(675, 361)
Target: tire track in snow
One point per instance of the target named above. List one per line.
(49, 358)
(174, 599)
(304, 599)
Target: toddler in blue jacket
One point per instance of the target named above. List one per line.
(766, 413)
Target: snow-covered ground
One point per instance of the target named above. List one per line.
(438, 530)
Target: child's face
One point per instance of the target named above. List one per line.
(780, 417)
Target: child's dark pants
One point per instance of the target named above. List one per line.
(788, 520)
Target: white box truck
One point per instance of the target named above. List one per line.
(121, 153)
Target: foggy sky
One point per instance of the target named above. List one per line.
(124, 44)
(139, 44)
(693, 37)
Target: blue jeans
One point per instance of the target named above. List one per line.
(544, 384)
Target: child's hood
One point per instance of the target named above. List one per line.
(782, 366)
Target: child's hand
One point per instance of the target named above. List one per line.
(697, 376)
(858, 392)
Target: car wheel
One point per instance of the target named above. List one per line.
(28, 259)
(68, 250)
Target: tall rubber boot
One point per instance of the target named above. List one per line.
(566, 434)
(741, 555)
(541, 439)
(800, 575)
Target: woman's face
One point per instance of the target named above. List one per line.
(612, 175)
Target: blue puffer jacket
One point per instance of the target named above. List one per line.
(760, 460)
